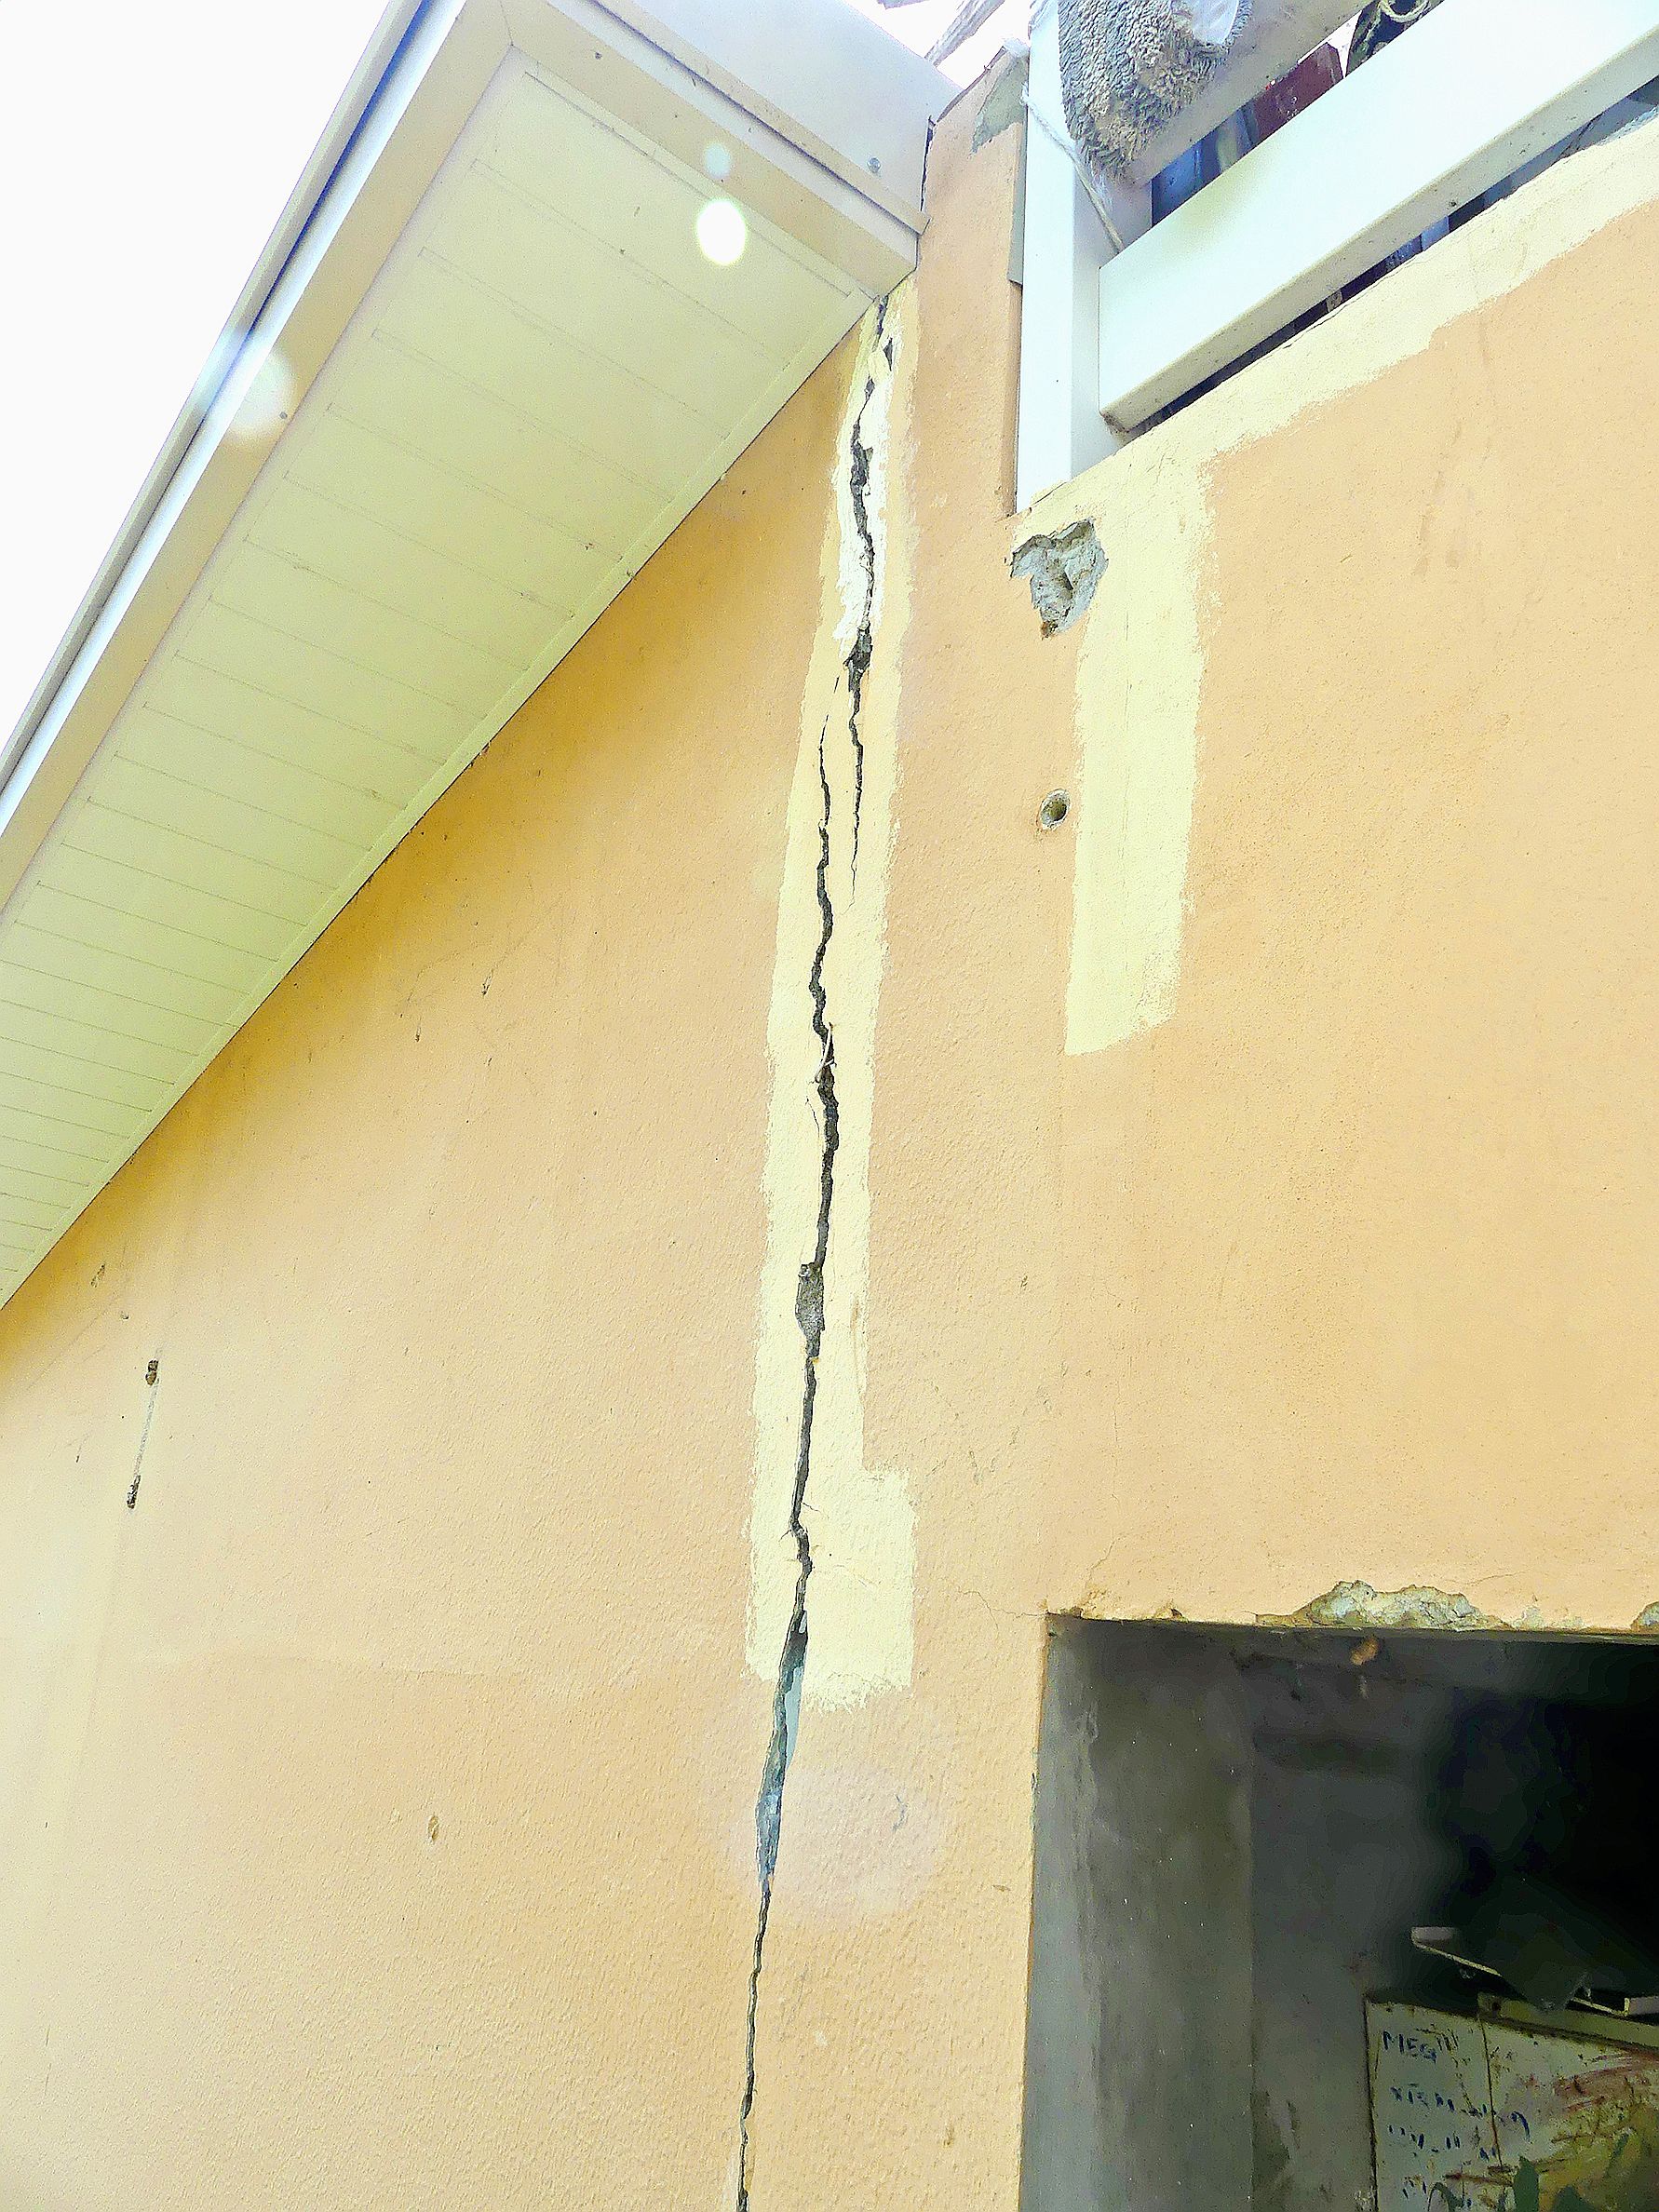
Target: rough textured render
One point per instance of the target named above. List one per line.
(1129, 67)
(1244, 1195)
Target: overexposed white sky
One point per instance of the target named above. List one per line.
(147, 148)
(922, 22)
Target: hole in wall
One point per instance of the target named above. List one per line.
(1295, 1884)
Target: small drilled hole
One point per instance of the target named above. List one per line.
(1054, 810)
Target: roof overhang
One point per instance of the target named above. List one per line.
(479, 375)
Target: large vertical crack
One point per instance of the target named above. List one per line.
(809, 1314)
(809, 1293)
(152, 1377)
(856, 664)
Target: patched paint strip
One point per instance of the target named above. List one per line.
(1141, 664)
(1138, 685)
(860, 1521)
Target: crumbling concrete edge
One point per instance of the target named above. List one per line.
(1357, 1606)
(1064, 568)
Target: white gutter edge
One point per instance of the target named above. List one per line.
(235, 361)
(382, 88)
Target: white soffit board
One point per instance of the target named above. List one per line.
(509, 414)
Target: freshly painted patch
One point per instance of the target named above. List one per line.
(858, 1520)
(1138, 682)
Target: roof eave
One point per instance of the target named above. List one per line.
(840, 175)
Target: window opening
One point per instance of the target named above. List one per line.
(1327, 1918)
(1227, 227)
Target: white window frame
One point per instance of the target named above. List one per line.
(1111, 335)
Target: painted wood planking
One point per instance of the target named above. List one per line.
(563, 276)
(425, 419)
(226, 768)
(396, 461)
(34, 1217)
(187, 694)
(626, 424)
(34, 1133)
(142, 896)
(71, 1114)
(21, 1178)
(648, 207)
(355, 626)
(139, 983)
(62, 1033)
(58, 906)
(325, 683)
(110, 1011)
(96, 1078)
(355, 549)
(230, 826)
(181, 856)
(517, 418)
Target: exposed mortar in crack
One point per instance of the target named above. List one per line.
(809, 1293)
(857, 660)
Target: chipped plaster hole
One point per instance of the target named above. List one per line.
(1356, 1605)
(432, 1830)
(1054, 810)
(1064, 569)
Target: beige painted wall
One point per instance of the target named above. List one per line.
(1247, 1188)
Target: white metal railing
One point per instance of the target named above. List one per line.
(1472, 92)
(1475, 91)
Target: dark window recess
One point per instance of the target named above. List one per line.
(1246, 1837)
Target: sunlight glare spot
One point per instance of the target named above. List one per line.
(722, 232)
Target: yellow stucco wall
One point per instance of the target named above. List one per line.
(1247, 1188)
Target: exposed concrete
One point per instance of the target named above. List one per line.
(1137, 2069)
(1371, 1795)
(1004, 101)
(1129, 67)
(1355, 1605)
(1064, 568)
